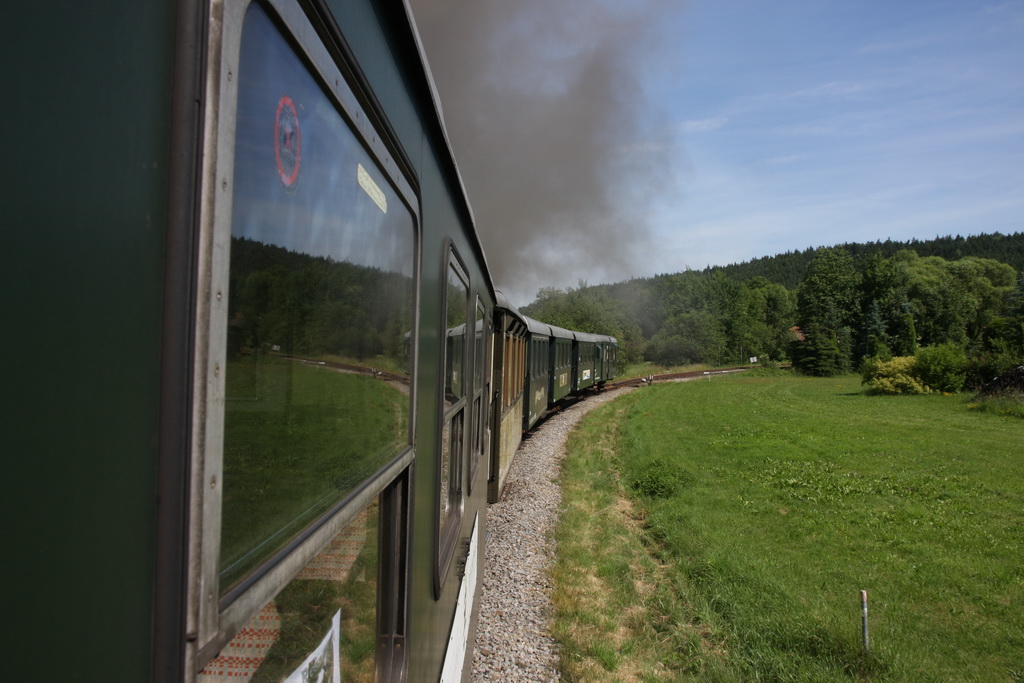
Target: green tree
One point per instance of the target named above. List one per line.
(769, 312)
(954, 301)
(828, 302)
(589, 309)
(905, 340)
(942, 367)
(819, 353)
(829, 292)
(883, 302)
(688, 338)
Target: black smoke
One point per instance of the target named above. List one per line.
(560, 149)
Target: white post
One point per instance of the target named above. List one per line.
(864, 616)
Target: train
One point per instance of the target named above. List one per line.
(260, 387)
(537, 368)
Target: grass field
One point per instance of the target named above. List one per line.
(342, 427)
(722, 530)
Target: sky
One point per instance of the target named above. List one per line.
(601, 140)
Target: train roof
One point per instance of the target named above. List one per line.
(595, 338)
(536, 326)
(501, 301)
(561, 332)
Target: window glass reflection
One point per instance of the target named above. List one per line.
(321, 298)
(455, 344)
(480, 346)
(450, 463)
(325, 618)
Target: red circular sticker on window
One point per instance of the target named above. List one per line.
(287, 141)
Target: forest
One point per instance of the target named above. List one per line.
(314, 307)
(828, 310)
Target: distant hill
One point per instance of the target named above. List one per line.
(725, 314)
(788, 269)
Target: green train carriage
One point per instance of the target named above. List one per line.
(560, 363)
(510, 348)
(538, 371)
(223, 221)
(607, 355)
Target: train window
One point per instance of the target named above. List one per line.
(520, 366)
(451, 466)
(456, 302)
(325, 619)
(306, 325)
(481, 367)
(481, 374)
(511, 389)
(451, 448)
(321, 291)
(506, 370)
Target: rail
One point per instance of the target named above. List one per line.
(674, 376)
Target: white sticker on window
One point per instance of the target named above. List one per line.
(371, 188)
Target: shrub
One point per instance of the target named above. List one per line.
(982, 368)
(896, 376)
(898, 384)
(942, 367)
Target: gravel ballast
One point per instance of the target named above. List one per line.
(513, 640)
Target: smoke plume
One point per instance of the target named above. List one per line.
(559, 148)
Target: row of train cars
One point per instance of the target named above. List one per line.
(218, 214)
(541, 365)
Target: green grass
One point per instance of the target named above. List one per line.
(341, 427)
(1006, 406)
(760, 506)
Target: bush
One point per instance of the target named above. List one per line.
(898, 384)
(935, 368)
(983, 368)
(896, 376)
(942, 367)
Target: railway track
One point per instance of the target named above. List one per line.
(572, 400)
(674, 376)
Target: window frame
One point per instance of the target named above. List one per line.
(446, 534)
(213, 619)
(483, 378)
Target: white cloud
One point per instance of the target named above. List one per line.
(830, 90)
(703, 125)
